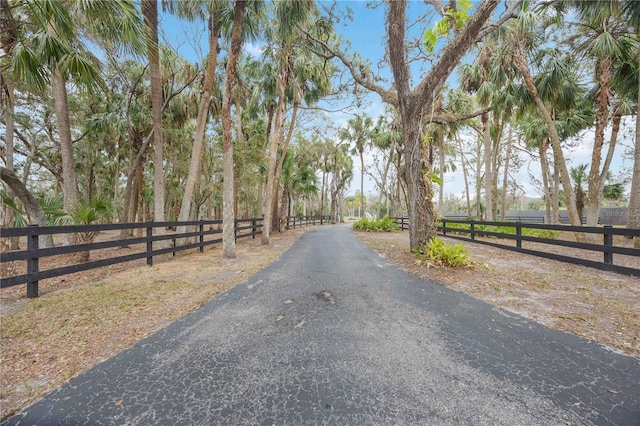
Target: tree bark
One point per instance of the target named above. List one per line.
(594, 193)
(277, 137)
(228, 214)
(505, 176)
(488, 176)
(201, 121)
(593, 211)
(633, 215)
(556, 146)
(285, 147)
(8, 217)
(464, 174)
(544, 168)
(411, 104)
(69, 179)
(150, 12)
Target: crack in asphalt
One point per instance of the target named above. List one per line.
(329, 335)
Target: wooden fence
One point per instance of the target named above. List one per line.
(204, 232)
(500, 231)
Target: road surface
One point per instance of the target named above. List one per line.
(331, 334)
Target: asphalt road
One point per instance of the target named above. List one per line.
(332, 334)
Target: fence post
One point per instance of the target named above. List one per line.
(444, 227)
(149, 243)
(32, 263)
(201, 236)
(473, 231)
(608, 242)
(518, 235)
(253, 228)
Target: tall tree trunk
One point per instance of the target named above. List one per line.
(283, 154)
(362, 200)
(556, 146)
(201, 122)
(479, 143)
(488, 177)
(385, 174)
(633, 215)
(324, 184)
(544, 167)
(555, 195)
(277, 137)
(412, 103)
(505, 176)
(495, 168)
(150, 12)
(418, 182)
(441, 159)
(128, 213)
(228, 219)
(9, 115)
(69, 183)
(594, 194)
(593, 211)
(464, 174)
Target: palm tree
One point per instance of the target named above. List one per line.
(632, 14)
(341, 176)
(521, 37)
(603, 35)
(387, 137)
(613, 191)
(150, 12)
(51, 52)
(228, 214)
(215, 11)
(86, 213)
(360, 131)
(289, 15)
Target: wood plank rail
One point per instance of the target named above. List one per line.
(500, 231)
(203, 232)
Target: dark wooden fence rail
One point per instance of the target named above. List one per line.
(199, 231)
(607, 248)
(299, 221)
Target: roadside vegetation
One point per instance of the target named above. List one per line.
(371, 225)
(504, 229)
(439, 253)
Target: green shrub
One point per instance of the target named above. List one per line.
(383, 225)
(444, 254)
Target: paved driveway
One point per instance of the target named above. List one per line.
(332, 334)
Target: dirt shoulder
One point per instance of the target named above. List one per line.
(82, 319)
(598, 305)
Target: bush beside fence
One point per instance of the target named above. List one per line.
(519, 232)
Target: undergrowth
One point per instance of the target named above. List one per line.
(440, 253)
(381, 225)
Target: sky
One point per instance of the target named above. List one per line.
(366, 33)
